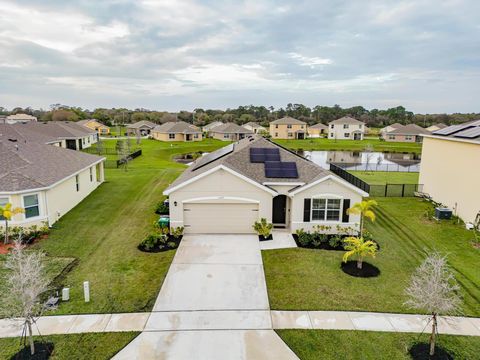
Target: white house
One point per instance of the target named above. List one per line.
(228, 190)
(20, 118)
(254, 127)
(346, 128)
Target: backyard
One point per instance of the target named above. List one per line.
(405, 232)
(384, 177)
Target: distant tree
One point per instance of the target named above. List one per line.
(64, 115)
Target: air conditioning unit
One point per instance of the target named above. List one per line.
(443, 213)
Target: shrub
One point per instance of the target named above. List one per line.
(305, 239)
(150, 241)
(172, 244)
(263, 227)
(299, 232)
(177, 232)
(335, 240)
(162, 209)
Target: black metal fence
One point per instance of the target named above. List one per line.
(106, 151)
(380, 167)
(352, 179)
(115, 164)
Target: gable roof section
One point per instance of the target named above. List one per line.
(410, 129)
(141, 123)
(287, 120)
(177, 127)
(53, 130)
(230, 128)
(211, 125)
(347, 120)
(319, 126)
(253, 125)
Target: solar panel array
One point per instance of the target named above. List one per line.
(260, 155)
(207, 159)
(470, 133)
(451, 129)
(280, 169)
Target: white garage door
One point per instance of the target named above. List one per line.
(219, 218)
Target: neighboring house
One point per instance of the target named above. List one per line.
(228, 190)
(20, 118)
(254, 127)
(47, 181)
(140, 128)
(66, 134)
(450, 168)
(406, 133)
(389, 128)
(95, 125)
(229, 132)
(436, 127)
(346, 128)
(288, 128)
(177, 131)
(317, 130)
(210, 126)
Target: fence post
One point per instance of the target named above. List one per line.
(403, 190)
(386, 189)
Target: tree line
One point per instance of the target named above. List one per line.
(244, 114)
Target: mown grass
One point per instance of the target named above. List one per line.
(384, 177)
(359, 145)
(96, 346)
(103, 232)
(369, 345)
(305, 279)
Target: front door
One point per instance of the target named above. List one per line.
(279, 213)
(357, 136)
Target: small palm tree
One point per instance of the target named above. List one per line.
(360, 248)
(263, 227)
(7, 211)
(364, 208)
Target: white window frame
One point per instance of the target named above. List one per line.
(289, 126)
(347, 135)
(332, 126)
(391, 137)
(171, 136)
(345, 126)
(226, 136)
(38, 205)
(408, 137)
(91, 174)
(327, 197)
(77, 182)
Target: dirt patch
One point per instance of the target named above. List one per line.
(368, 270)
(421, 351)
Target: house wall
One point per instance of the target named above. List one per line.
(219, 184)
(402, 138)
(450, 174)
(57, 201)
(281, 131)
(178, 137)
(329, 189)
(101, 129)
(338, 131)
(224, 137)
(315, 133)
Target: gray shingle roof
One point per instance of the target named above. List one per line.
(253, 125)
(410, 129)
(287, 120)
(210, 126)
(141, 123)
(30, 165)
(318, 126)
(230, 128)
(177, 127)
(346, 120)
(54, 130)
(239, 161)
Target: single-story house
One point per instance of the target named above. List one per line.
(210, 126)
(140, 128)
(20, 118)
(254, 127)
(346, 128)
(46, 181)
(96, 125)
(228, 190)
(436, 127)
(229, 132)
(315, 131)
(288, 128)
(406, 133)
(66, 134)
(389, 128)
(450, 168)
(177, 131)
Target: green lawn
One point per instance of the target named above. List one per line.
(369, 345)
(305, 279)
(103, 232)
(384, 177)
(75, 346)
(328, 144)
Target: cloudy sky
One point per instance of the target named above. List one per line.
(172, 55)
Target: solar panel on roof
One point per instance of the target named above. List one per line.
(471, 133)
(207, 159)
(260, 155)
(451, 129)
(279, 169)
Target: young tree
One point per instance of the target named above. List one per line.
(360, 248)
(433, 289)
(123, 152)
(7, 211)
(25, 282)
(364, 208)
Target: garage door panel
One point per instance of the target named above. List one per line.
(220, 218)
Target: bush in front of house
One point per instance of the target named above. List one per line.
(323, 237)
(163, 239)
(29, 234)
(162, 209)
(264, 229)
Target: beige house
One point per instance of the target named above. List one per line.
(389, 128)
(436, 127)
(20, 118)
(231, 188)
(254, 127)
(406, 133)
(288, 128)
(95, 125)
(47, 181)
(177, 131)
(140, 128)
(346, 128)
(450, 168)
(210, 126)
(229, 132)
(317, 130)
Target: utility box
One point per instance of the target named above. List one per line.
(164, 221)
(65, 294)
(443, 213)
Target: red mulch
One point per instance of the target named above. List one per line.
(5, 249)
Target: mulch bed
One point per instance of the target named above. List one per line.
(162, 247)
(43, 351)
(323, 246)
(368, 270)
(262, 238)
(421, 351)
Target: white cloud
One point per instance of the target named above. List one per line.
(312, 62)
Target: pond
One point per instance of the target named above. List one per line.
(362, 160)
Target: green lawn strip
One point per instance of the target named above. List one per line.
(328, 144)
(313, 280)
(369, 345)
(75, 346)
(103, 232)
(384, 177)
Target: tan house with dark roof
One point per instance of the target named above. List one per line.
(228, 190)
(288, 128)
(229, 132)
(94, 124)
(46, 180)
(177, 131)
(406, 133)
(346, 128)
(450, 168)
(140, 128)
(317, 130)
